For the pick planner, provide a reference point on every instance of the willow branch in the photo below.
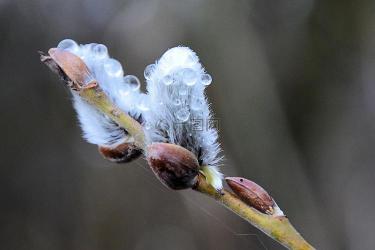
(74, 72)
(277, 227)
(98, 99)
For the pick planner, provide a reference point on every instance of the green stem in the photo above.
(98, 99)
(277, 227)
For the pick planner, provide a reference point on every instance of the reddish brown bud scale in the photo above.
(122, 153)
(54, 67)
(174, 166)
(252, 194)
(73, 66)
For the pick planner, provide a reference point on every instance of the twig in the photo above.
(98, 99)
(275, 226)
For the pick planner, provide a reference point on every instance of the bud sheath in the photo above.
(175, 166)
(252, 194)
(122, 153)
(73, 66)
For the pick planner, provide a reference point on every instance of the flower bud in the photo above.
(69, 67)
(122, 153)
(175, 166)
(53, 66)
(252, 194)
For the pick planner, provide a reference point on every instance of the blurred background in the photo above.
(293, 91)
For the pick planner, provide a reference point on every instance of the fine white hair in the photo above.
(174, 110)
(97, 129)
(178, 111)
(122, 91)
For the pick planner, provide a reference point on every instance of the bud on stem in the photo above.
(122, 153)
(174, 166)
(76, 74)
(253, 195)
(69, 67)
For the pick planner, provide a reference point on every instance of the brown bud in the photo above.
(73, 66)
(54, 67)
(122, 153)
(252, 194)
(69, 67)
(175, 166)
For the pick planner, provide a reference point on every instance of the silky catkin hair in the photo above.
(174, 110)
(122, 91)
(178, 109)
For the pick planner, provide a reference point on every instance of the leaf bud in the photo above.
(174, 166)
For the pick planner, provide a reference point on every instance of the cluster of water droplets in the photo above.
(107, 71)
(178, 79)
(187, 76)
(176, 88)
(182, 84)
(100, 51)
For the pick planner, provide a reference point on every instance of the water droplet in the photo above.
(189, 77)
(100, 50)
(69, 45)
(167, 80)
(177, 102)
(183, 114)
(113, 68)
(177, 77)
(206, 79)
(133, 82)
(148, 71)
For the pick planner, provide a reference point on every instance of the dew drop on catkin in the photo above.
(206, 79)
(183, 114)
(189, 77)
(113, 68)
(133, 82)
(149, 70)
(100, 51)
(69, 45)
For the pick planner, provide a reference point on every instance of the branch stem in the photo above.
(277, 227)
(98, 99)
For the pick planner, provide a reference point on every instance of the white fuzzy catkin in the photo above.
(97, 129)
(122, 91)
(177, 110)
(174, 110)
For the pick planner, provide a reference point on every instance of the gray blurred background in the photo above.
(293, 90)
